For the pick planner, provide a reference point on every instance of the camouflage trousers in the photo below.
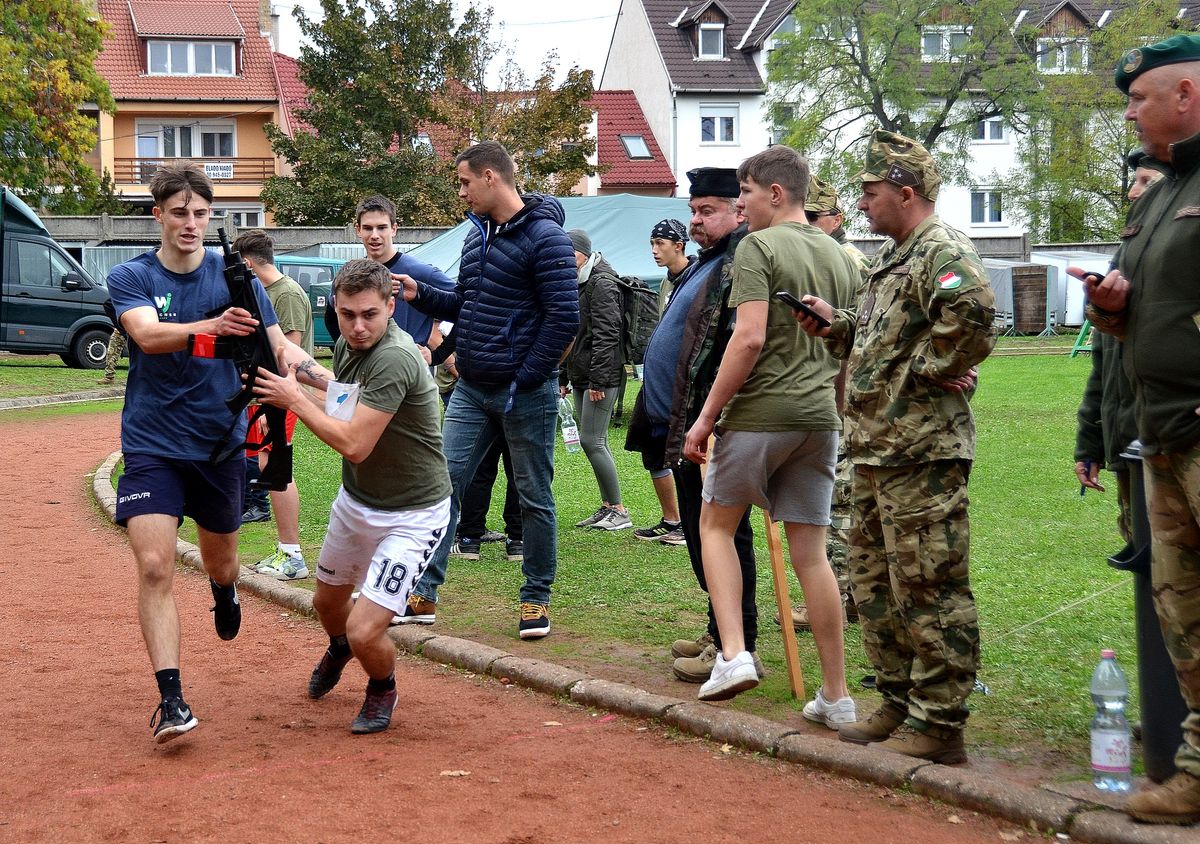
(116, 348)
(1173, 499)
(909, 550)
(837, 540)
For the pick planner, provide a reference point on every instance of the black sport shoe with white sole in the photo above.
(227, 610)
(172, 719)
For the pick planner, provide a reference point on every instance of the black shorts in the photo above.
(210, 493)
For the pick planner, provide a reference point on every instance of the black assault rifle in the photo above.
(248, 353)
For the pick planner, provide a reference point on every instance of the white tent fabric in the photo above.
(619, 227)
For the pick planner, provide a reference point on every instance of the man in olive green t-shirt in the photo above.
(773, 408)
(296, 322)
(381, 413)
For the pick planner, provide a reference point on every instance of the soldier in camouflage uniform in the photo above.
(1150, 301)
(116, 348)
(923, 323)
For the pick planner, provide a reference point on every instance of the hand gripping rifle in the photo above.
(248, 353)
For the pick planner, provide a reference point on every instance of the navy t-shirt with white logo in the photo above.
(175, 403)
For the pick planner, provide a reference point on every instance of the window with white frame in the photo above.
(186, 140)
(718, 124)
(636, 146)
(190, 58)
(712, 41)
(1062, 55)
(987, 207)
(942, 43)
(244, 216)
(989, 131)
(422, 141)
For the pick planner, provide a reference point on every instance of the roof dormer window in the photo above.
(712, 41)
(190, 58)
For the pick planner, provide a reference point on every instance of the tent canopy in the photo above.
(618, 225)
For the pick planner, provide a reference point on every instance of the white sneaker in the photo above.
(293, 568)
(730, 677)
(270, 565)
(832, 714)
(613, 520)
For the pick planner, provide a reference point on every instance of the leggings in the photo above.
(593, 418)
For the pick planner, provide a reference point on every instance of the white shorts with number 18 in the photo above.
(384, 552)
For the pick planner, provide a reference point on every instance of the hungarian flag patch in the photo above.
(949, 281)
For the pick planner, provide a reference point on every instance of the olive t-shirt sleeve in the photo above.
(387, 379)
(752, 269)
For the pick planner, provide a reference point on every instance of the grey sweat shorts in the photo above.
(789, 473)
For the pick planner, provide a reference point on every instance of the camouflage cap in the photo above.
(822, 198)
(901, 161)
(1174, 50)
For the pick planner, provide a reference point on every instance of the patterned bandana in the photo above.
(670, 230)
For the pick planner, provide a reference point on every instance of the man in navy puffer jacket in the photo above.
(515, 311)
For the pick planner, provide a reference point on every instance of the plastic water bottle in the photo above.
(570, 431)
(1110, 730)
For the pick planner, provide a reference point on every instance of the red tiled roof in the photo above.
(617, 114)
(190, 19)
(293, 93)
(122, 60)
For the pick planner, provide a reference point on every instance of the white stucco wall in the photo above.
(751, 134)
(634, 64)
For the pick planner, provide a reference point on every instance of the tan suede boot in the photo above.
(910, 742)
(1176, 801)
(882, 723)
(687, 648)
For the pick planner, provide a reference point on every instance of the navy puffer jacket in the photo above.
(516, 305)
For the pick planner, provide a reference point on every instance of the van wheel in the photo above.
(90, 348)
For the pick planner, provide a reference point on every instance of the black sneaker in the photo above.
(227, 611)
(656, 532)
(515, 549)
(535, 621)
(254, 513)
(466, 549)
(327, 673)
(376, 713)
(172, 719)
(492, 536)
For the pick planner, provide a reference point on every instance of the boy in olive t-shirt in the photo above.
(778, 426)
(381, 414)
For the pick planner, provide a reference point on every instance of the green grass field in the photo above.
(1047, 600)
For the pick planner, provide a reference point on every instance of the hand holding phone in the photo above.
(796, 305)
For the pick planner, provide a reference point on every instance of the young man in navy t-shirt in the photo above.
(174, 415)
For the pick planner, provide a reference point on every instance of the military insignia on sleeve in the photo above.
(949, 281)
(1133, 60)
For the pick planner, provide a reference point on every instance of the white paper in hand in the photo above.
(341, 399)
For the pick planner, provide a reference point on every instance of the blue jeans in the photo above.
(474, 418)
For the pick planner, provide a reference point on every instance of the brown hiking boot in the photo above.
(921, 745)
(800, 622)
(1176, 801)
(699, 668)
(686, 648)
(851, 612)
(882, 723)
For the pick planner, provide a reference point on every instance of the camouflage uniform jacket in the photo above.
(705, 336)
(1160, 249)
(925, 314)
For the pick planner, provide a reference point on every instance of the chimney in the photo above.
(275, 31)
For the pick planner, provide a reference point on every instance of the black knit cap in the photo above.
(714, 181)
(669, 230)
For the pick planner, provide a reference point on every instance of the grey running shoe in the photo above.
(613, 520)
(600, 513)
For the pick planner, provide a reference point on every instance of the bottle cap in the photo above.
(1108, 653)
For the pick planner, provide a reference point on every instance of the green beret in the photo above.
(901, 161)
(822, 198)
(1176, 49)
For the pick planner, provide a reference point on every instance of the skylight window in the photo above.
(636, 146)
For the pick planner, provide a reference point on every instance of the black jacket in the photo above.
(595, 361)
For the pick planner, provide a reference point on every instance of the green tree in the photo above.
(373, 70)
(47, 54)
(1072, 178)
(853, 66)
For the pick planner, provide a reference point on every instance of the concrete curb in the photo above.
(64, 398)
(1031, 807)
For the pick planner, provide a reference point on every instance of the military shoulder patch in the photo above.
(950, 281)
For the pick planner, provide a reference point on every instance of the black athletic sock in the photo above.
(339, 646)
(375, 687)
(168, 683)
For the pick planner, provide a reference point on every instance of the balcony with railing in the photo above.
(230, 170)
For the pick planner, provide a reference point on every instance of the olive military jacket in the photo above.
(925, 315)
(1160, 250)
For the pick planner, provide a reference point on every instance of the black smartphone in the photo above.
(798, 306)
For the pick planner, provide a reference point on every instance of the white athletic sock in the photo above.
(290, 550)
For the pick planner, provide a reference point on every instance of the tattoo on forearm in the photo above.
(309, 368)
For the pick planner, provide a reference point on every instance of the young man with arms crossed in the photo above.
(294, 313)
(394, 504)
(174, 415)
(774, 410)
